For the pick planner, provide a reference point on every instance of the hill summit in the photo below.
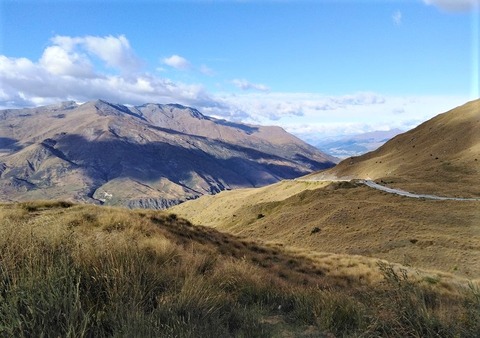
(151, 155)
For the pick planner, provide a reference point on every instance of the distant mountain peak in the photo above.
(358, 144)
(172, 110)
(64, 105)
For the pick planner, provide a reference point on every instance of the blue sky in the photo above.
(316, 68)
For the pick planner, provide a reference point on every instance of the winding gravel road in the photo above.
(377, 186)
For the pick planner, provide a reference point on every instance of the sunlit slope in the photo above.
(347, 218)
(440, 156)
(83, 270)
(221, 209)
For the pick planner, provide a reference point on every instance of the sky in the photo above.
(319, 69)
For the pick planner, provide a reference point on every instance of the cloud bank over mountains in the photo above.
(83, 68)
(92, 67)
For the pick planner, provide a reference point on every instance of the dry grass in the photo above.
(85, 271)
(356, 220)
(441, 156)
(205, 210)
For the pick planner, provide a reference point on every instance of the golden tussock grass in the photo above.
(85, 271)
(357, 220)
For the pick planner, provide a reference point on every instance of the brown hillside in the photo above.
(440, 156)
(150, 156)
(88, 271)
(346, 218)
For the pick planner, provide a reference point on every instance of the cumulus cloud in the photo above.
(180, 63)
(357, 99)
(455, 5)
(69, 69)
(66, 71)
(246, 85)
(60, 61)
(279, 106)
(114, 51)
(402, 113)
(312, 116)
(177, 62)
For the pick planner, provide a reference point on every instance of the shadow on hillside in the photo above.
(256, 153)
(10, 144)
(247, 129)
(232, 165)
(298, 270)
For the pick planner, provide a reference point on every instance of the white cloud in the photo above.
(60, 61)
(181, 63)
(397, 112)
(67, 71)
(177, 62)
(114, 51)
(397, 18)
(313, 116)
(246, 85)
(455, 5)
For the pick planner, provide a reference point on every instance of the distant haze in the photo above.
(354, 145)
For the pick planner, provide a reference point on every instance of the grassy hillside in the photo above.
(85, 271)
(221, 210)
(440, 156)
(347, 218)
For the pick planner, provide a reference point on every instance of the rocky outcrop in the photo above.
(153, 203)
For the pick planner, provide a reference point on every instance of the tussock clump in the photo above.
(342, 185)
(42, 205)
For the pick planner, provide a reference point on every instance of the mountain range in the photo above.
(355, 145)
(150, 155)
